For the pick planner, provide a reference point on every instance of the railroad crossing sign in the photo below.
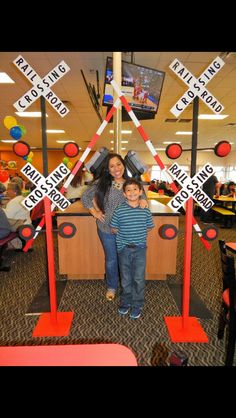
(45, 186)
(191, 187)
(41, 86)
(197, 86)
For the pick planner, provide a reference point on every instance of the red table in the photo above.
(68, 355)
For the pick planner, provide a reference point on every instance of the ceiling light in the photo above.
(29, 114)
(160, 149)
(183, 133)
(123, 131)
(64, 141)
(171, 142)
(124, 142)
(5, 79)
(55, 131)
(8, 140)
(215, 117)
(123, 148)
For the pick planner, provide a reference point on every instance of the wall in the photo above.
(55, 157)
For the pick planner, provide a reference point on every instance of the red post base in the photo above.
(47, 326)
(190, 332)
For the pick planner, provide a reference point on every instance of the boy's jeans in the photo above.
(132, 263)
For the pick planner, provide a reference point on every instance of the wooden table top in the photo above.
(231, 246)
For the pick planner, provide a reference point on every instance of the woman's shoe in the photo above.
(110, 295)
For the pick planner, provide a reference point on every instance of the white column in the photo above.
(117, 117)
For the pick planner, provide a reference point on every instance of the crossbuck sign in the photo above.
(45, 186)
(191, 187)
(41, 86)
(197, 86)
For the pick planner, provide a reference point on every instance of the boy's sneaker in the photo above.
(123, 310)
(135, 313)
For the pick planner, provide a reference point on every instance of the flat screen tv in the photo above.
(141, 87)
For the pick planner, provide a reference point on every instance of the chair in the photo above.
(228, 307)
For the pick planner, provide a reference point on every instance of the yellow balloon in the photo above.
(9, 122)
(31, 154)
(69, 165)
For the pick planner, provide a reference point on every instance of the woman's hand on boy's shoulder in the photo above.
(143, 203)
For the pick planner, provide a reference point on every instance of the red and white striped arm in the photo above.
(154, 153)
(76, 168)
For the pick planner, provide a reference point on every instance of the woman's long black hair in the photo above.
(105, 180)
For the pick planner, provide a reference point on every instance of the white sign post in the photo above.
(45, 186)
(191, 187)
(41, 86)
(197, 86)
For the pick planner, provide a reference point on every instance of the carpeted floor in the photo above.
(97, 321)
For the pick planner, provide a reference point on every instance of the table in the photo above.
(231, 246)
(68, 355)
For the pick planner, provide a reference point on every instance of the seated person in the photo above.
(79, 184)
(2, 191)
(162, 186)
(5, 227)
(152, 186)
(14, 210)
(232, 189)
(224, 190)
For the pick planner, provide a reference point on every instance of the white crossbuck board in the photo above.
(196, 86)
(41, 86)
(45, 186)
(191, 187)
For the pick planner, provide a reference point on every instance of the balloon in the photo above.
(29, 160)
(65, 161)
(9, 122)
(12, 165)
(23, 130)
(31, 154)
(4, 176)
(3, 164)
(15, 132)
(25, 158)
(69, 165)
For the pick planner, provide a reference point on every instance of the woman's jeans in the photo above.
(111, 259)
(132, 263)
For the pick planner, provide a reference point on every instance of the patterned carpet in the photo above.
(97, 321)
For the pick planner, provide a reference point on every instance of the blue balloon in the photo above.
(16, 132)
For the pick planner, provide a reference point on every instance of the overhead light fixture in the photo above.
(5, 79)
(55, 131)
(123, 131)
(64, 141)
(9, 140)
(122, 149)
(171, 142)
(124, 142)
(183, 133)
(29, 114)
(160, 149)
(212, 117)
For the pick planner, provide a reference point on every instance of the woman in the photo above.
(101, 199)
(79, 184)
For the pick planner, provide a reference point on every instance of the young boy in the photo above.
(131, 224)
